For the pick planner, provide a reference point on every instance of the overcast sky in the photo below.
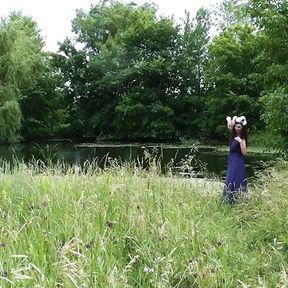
(54, 16)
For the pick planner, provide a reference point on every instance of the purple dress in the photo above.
(236, 181)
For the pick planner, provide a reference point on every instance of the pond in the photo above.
(198, 162)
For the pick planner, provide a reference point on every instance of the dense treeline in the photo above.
(131, 75)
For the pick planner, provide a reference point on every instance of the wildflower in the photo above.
(148, 270)
(159, 259)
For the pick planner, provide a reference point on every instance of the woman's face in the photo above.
(238, 128)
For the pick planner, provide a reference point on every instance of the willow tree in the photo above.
(20, 61)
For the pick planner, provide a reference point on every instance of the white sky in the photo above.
(54, 16)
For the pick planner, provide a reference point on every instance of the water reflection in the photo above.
(179, 159)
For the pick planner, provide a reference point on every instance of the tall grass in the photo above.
(130, 227)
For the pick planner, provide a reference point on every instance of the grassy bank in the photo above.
(130, 228)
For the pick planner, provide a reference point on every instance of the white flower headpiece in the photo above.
(241, 119)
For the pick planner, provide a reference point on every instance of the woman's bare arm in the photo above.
(243, 146)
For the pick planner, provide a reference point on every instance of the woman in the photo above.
(236, 182)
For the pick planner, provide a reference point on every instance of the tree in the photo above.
(276, 117)
(190, 87)
(271, 17)
(234, 79)
(126, 62)
(20, 61)
(230, 12)
(43, 105)
(144, 110)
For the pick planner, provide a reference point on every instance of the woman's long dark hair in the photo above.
(243, 134)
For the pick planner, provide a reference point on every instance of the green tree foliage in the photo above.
(272, 20)
(233, 76)
(144, 110)
(133, 75)
(276, 117)
(120, 79)
(230, 12)
(43, 106)
(20, 59)
(189, 98)
(136, 76)
(74, 70)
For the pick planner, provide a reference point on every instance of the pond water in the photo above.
(185, 160)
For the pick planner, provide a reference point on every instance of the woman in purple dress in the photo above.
(236, 181)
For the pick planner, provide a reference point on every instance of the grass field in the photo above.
(126, 227)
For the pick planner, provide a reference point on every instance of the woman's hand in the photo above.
(229, 123)
(238, 139)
